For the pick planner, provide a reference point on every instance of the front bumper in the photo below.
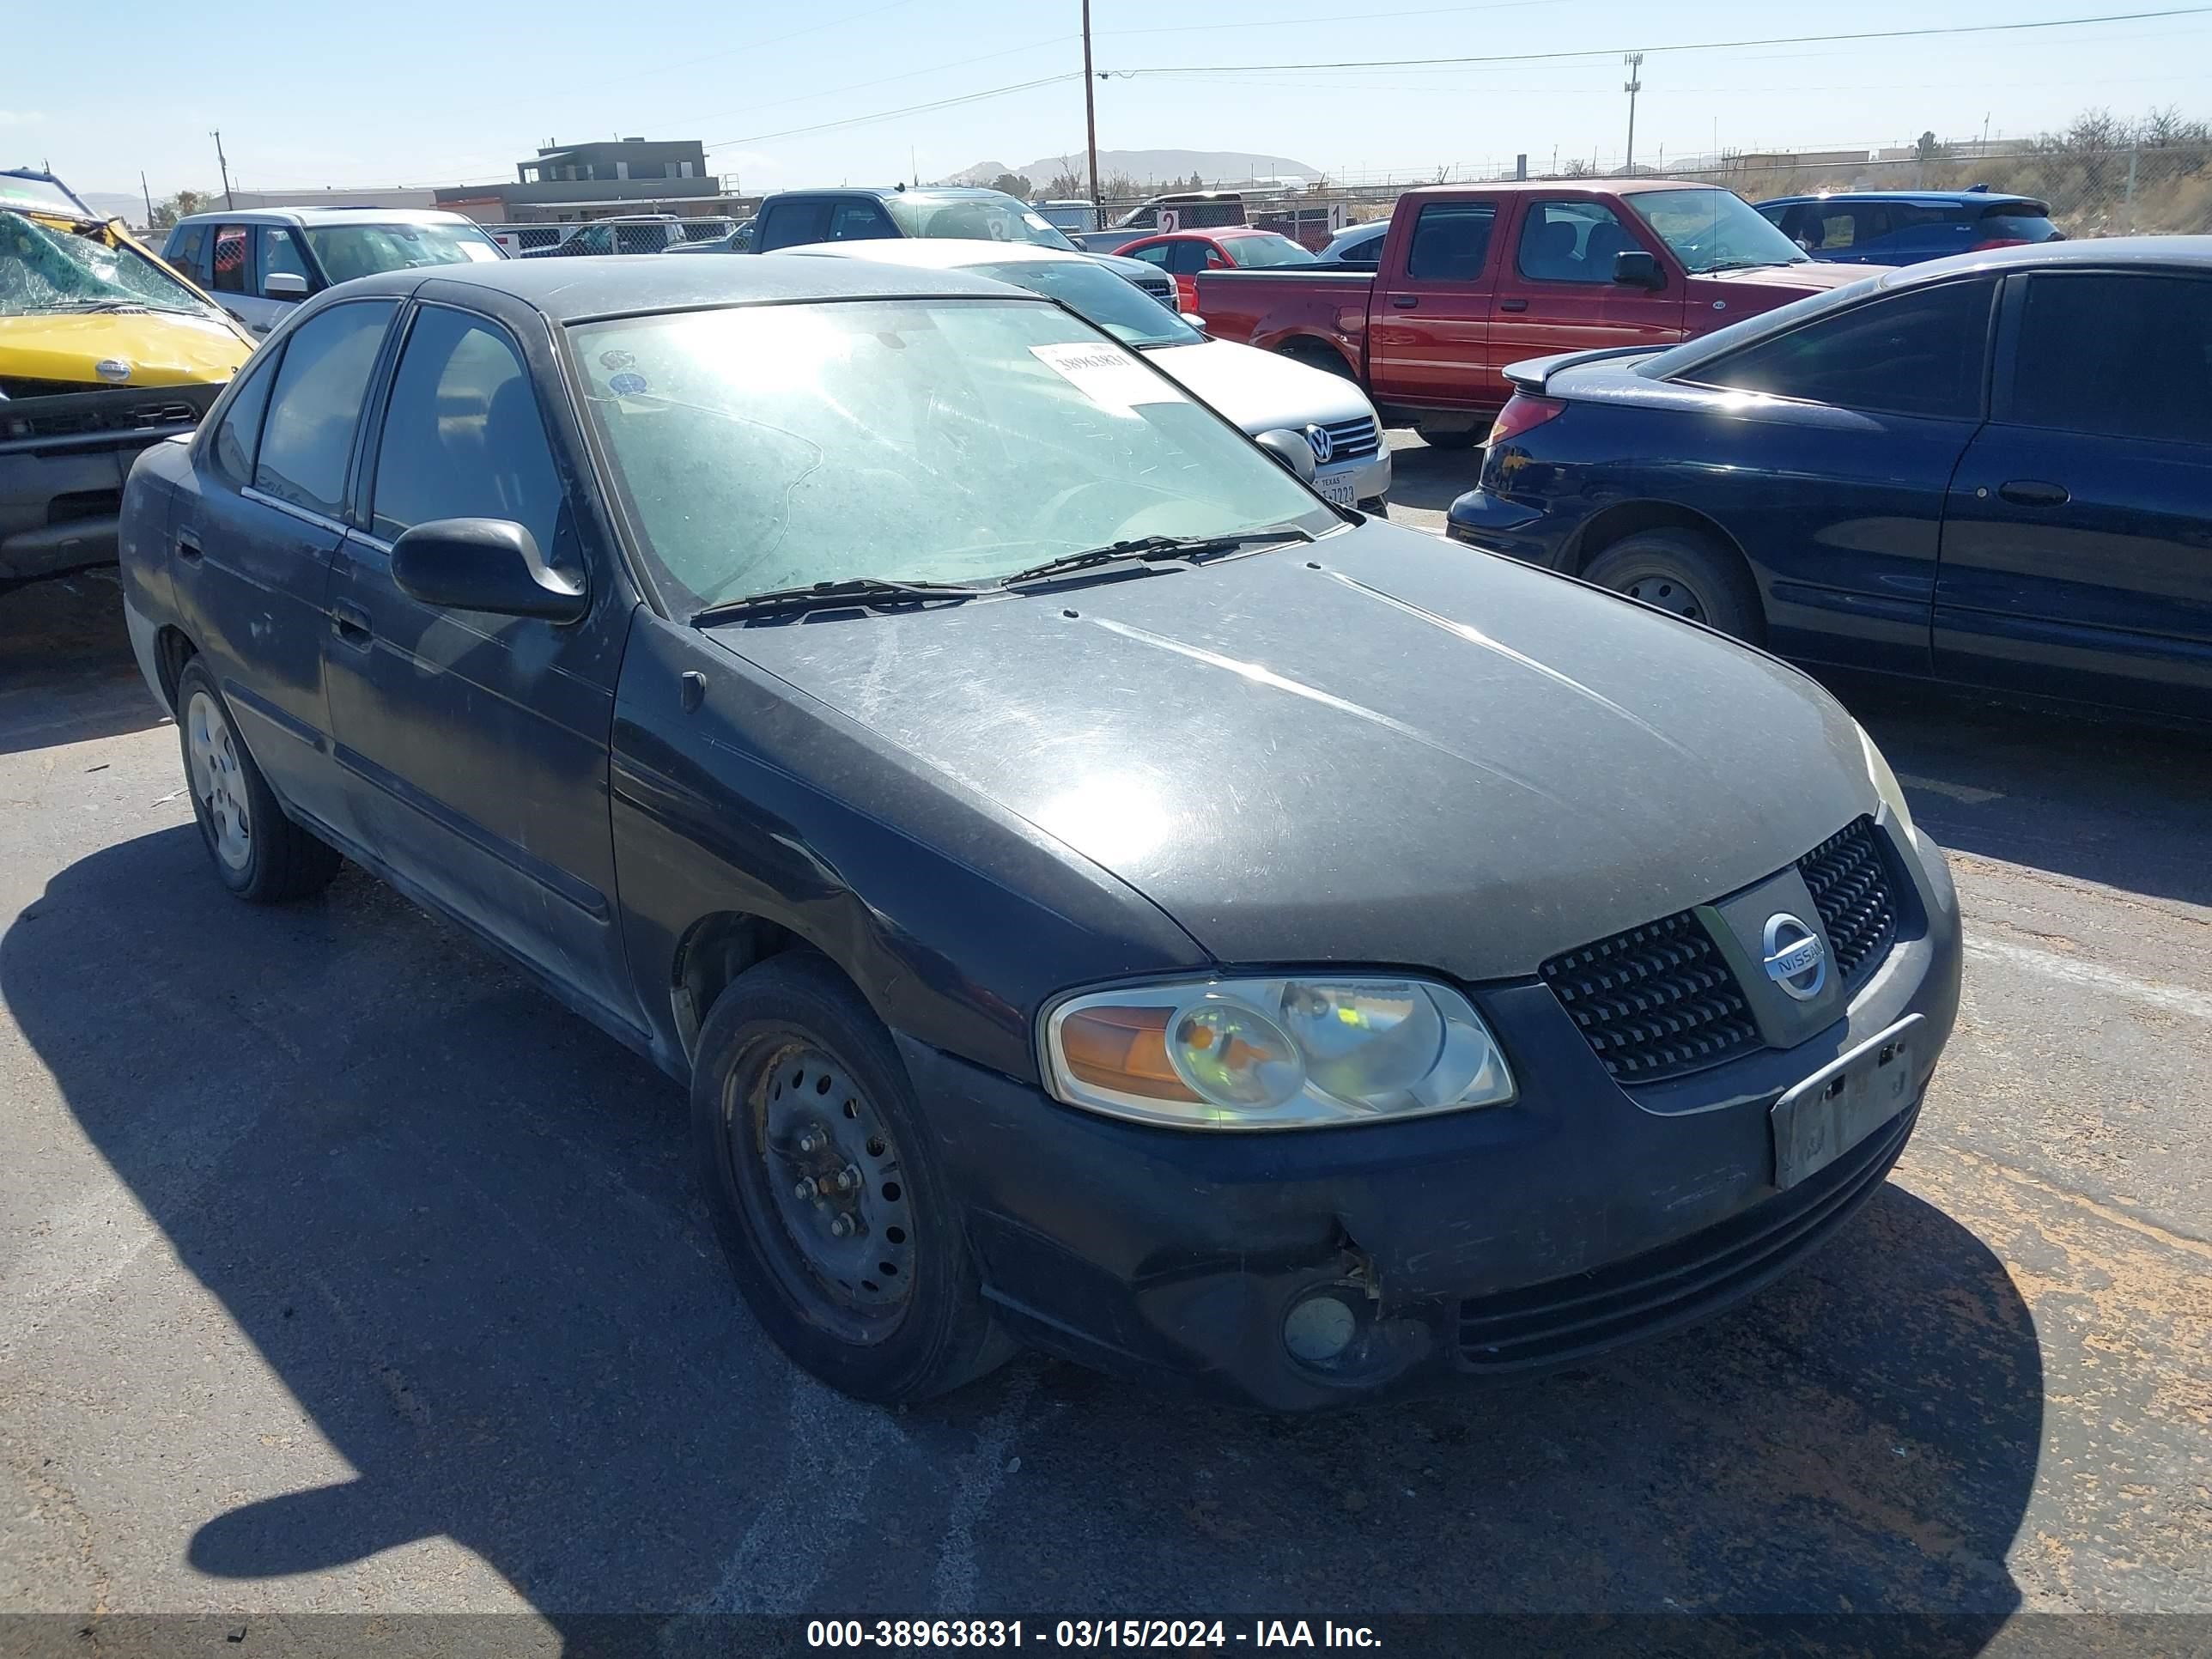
(61, 488)
(1493, 1242)
(1370, 475)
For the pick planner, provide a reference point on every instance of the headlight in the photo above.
(1886, 785)
(1273, 1054)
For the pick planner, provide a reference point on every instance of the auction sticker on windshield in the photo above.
(1111, 379)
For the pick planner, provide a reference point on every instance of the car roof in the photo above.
(2174, 252)
(886, 192)
(1914, 197)
(331, 216)
(611, 285)
(1523, 186)
(947, 252)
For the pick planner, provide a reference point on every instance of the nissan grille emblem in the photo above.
(1794, 958)
(1324, 445)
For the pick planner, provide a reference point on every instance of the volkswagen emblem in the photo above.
(1322, 445)
(1794, 958)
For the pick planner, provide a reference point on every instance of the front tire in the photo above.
(259, 853)
(821, 1176)
(1686, 573)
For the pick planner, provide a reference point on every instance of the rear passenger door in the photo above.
(2077, 554)
(252, 552)
(1428, 329)
(475, 747)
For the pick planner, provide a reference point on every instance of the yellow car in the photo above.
(103, 351)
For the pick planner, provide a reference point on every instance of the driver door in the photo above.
(475, 747)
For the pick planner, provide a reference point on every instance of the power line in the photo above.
(1692, 45)
(910, 109)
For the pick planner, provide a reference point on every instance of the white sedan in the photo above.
(1257, 390)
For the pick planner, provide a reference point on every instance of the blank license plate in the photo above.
(1844, 1103)
(1338, 489)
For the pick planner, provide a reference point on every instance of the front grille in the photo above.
(1655, 1001)
(1351, 440)
(1551, 1323)
(1849, 879)
(1161, 288)
(97, 409)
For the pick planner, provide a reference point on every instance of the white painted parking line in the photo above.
(1966, 793)
(2175, 999)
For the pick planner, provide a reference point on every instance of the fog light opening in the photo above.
(1320, 1328)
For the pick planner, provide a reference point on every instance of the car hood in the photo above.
(162, 349)
(1259, 389)
(1381, 749)
(1814, 276)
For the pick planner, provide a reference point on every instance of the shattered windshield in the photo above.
(43, 270)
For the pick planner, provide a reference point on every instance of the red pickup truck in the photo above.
(1475, 277)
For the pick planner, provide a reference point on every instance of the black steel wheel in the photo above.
(815, 1161)
(1686, 574)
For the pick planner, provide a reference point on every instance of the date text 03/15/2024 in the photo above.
(1166, 1633)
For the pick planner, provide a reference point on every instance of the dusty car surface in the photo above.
(1099, 894)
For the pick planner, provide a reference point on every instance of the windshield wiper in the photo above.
(828, 596)
(1155, 549)
(1752, 265)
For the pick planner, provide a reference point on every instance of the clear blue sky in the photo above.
(413, 92)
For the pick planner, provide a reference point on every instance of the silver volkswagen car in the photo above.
(1259, 390)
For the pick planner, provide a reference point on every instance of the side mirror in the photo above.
(284, 285)
(1633, 268)
(1291, 450)
(484, 564)
(1194, 319)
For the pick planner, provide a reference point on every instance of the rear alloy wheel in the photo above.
(824, 1191)
(259, 854)
(1684, 574)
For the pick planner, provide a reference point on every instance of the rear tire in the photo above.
(797, 1089)
(1685, 573)
(259, 853)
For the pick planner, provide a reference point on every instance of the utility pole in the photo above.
(225, 166)
(1090, 120)
(148, 195)
(1633, 85)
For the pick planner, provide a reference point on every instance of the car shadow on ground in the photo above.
(458, 1227)
(1427, 478)
(66, 671)
(2101, 797)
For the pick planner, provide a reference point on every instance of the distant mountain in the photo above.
(115, 204)
(1161, 169)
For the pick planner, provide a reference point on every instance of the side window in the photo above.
(1920, 352)
(2123, 356)
(315, 406)
(1570, 242)
(280, 250)
(1451, 242)
(230, 258)
(792, 224)
(1188, 259)
(860, 221)
(1155, 255)
(236, 439)
(639, 239)
(1835, 230)
(463, 438)
(188, 252)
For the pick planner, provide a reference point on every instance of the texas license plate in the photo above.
(1338, 489)
(1844, 1103)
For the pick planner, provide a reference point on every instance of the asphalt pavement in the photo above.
(342, 1272)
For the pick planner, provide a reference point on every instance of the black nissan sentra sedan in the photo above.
(1099, 894)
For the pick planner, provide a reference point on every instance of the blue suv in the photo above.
(1903, 227)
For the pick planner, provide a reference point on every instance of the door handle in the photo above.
(2033, 492)
(188, 547)
(350, 624)
(1513, 304)
(1406, 301)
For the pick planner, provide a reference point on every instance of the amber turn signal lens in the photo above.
(1122, 1048)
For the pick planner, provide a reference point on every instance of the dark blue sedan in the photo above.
(1903, 227)
(1994, 470)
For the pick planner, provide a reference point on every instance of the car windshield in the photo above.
(759, 448)
(47, 270)
(345, 251)
(1122, 309)
(1268, 250)
(1714, 230)
(973, 218)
